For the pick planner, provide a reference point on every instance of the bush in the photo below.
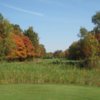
(91, 62)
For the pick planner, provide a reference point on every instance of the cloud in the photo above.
(23, 10)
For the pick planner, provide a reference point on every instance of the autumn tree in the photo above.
(90, 46)
(5, 33)
(14, 44)
(19, 50)
(29, 47)
(90, 50)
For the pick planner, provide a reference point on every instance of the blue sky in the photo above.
(56, 21)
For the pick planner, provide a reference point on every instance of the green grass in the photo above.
(45, 72)
(27, 81)
(48, 92)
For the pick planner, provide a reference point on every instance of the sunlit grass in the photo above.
(44, 72)
(48, 92)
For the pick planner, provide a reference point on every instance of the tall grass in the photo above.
(45, 71)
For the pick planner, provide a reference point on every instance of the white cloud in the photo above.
(22, 10)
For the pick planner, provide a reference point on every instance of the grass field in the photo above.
(45, 72)
(35, 81)
(48, 92)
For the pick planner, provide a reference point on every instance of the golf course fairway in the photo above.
(48, 92)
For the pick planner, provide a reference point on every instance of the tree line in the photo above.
(16, 44)
(87, 48)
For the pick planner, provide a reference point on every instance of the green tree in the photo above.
(33, 36)
(49, 55)
(96, 21)
(90, 50)
(90, 46)
(5, 28)
(16, 29)
(83, 32)
(1, 17)
(58, 54)
(75, 51)
(41, 51)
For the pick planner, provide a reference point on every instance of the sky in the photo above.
(57, 22)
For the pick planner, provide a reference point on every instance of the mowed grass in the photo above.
(46, 72)
(48, 92)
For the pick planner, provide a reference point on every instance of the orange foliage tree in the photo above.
(29, 47)
(19, 50)
(14, 44)
(22, 48)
